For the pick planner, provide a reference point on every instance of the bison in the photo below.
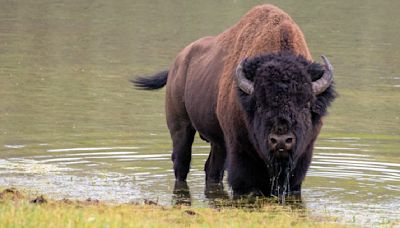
(255, 94)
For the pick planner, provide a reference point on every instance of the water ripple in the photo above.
(354, 166)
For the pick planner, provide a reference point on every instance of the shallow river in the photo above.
(71, 124)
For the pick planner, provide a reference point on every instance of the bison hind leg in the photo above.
(182, 140)
(215, 164)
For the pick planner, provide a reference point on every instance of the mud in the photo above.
(10, 194)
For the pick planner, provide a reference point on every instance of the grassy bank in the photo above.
(18, 210)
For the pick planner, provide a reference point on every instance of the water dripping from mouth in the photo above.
(286, 186)
(280, 182)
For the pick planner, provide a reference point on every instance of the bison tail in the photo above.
(156, 81)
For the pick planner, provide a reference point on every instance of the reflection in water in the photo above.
(181, 194)
(217, 197)
(215, 192)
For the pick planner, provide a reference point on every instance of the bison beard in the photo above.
(261, 115)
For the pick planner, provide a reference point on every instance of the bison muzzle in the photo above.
(255, 94)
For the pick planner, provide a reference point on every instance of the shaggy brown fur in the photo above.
(264, 29)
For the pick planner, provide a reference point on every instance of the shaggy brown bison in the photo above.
(255, 94)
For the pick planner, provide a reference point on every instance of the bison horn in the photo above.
(320, 85)
(243, 83)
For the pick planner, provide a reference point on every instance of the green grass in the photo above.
(17, 210)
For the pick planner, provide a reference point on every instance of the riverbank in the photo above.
(22, 210)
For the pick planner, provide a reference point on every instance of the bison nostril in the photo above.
(273, 141)
(289, 140)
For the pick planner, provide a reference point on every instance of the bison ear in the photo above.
(248, 103)
(316, 71)
(324, 100)
(245, 86)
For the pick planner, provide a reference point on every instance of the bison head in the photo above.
(284, 97)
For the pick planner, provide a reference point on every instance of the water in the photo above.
(71, 125)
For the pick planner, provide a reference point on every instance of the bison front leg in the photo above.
(247, 176)
(215, 164)
(182, 139)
